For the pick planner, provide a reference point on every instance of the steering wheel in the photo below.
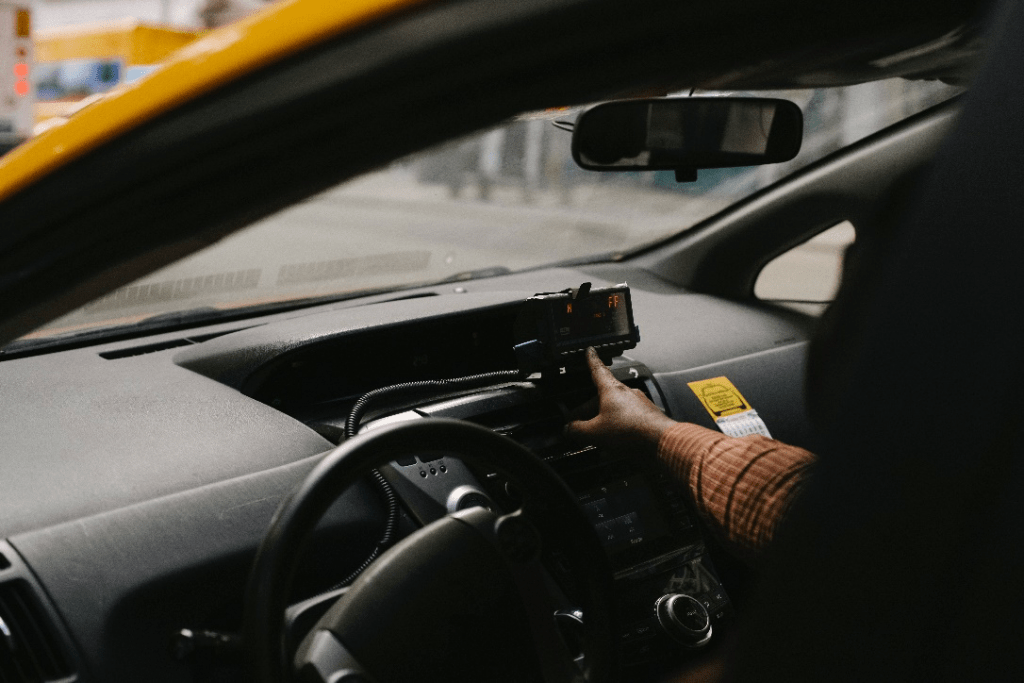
(465, 598)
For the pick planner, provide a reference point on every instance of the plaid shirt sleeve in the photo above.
(741, 486)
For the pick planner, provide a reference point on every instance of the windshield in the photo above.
(502, 200)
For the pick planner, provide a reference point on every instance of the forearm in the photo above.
(742, 487)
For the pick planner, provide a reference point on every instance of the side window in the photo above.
(807, 276)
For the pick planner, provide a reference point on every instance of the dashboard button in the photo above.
(644, 629)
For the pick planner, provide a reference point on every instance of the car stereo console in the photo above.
(669, 596)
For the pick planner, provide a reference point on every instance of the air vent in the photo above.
(159, 346)
(29, 650)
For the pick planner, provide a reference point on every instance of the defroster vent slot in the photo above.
(144, 349)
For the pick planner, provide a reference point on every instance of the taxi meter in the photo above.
(554, 328)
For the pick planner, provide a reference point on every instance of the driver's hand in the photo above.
(626, 419)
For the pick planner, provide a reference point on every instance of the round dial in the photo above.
(684, 619)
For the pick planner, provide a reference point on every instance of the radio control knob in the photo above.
(684, 619)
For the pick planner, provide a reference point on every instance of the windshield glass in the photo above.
(502, 200)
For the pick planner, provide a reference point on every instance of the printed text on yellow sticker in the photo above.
(719, 397)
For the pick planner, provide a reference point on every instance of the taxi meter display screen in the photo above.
(554, 328)
(596, 317)
(624, 514)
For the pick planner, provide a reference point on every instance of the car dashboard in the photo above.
(141, 475)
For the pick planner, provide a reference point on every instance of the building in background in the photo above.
(74, 63)
(16, 67)
(56, 13)
(187, 14)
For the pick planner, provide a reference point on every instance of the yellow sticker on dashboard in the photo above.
(719, 397)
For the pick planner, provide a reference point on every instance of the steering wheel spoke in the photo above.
(326, 660)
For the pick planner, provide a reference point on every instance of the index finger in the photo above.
(603, 377)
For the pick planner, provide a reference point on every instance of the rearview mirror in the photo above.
(687, 133)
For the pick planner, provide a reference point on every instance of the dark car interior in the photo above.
(141, 473)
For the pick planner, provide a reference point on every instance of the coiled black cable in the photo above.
(355, 416)
(391, 501)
